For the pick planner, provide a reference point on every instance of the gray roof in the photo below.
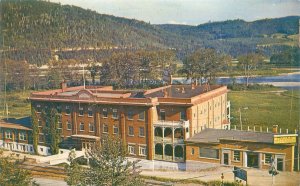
(215, 135)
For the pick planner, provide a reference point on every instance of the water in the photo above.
(286, 81)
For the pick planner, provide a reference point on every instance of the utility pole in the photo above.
(298, 145)
(241, 124)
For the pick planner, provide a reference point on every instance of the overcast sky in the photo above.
(190, 11)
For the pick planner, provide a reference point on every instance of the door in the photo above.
(280, 164)
(226, 158)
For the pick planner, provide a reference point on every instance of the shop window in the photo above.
(131, 149)
(142, 115)
(91, 127)
(268, 158)
(209, 153)
(104, 112)
(236, 155)
(130, 115)
(142, 151)
(105, 128)
(130, 131)
(115, 114)
(141, 131)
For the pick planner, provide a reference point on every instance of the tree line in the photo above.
(126, 69)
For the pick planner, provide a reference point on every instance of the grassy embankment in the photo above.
(265, 108)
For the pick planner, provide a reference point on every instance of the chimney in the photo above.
(275, 129)
(63, 86)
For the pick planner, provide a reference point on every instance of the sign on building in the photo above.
(283, 139)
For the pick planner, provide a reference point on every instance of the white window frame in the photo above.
(22, 135)
(131, 149)
(8, 134)
(142, 148)
(80, 109)
(140, 132)
(130, 111)
(93, 127)
(105, 126)
(81, 124)
(115, 114)
(67, 108)
(129, 131)
(104, 110)
(69, 124)
(115, 127)
(142, 119)
(234, 155)
(90, 110)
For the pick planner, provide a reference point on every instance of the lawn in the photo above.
(18, 105)
(265, 109)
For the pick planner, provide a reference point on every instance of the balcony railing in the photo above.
(172, 123)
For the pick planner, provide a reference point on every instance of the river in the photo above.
(286, 81)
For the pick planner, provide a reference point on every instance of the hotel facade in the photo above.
(153, 123)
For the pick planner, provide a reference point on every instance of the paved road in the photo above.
(50, 182)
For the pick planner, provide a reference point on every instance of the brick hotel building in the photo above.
(153, 123)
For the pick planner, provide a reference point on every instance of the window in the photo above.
(116, 129)
(58, 108)
(105, 128)
(59, 122)
(268, 158)
(80, 111)
(162, 114)
(141, 132)
(41, 138)
(115, 114)
(38, 108)
(192, 151)
(69, 126)
(8, 134)
(91, 127)
(42, 149)
(81, 126)
(182, 115)
(40, 122)
(209, 153)
(236, 155)
(68, 110)
(105, 113)
(142, 115)
(142, 151)
(130, 131)
(90, 112)
(130, 115)
(131, 149)
(22, 136)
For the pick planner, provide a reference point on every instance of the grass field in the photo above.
(265, 109)
(18, 105)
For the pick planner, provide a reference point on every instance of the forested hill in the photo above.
(238, 28)
(41, 24)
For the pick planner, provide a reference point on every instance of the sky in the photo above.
(191, 12)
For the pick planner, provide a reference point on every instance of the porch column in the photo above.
(173, 156)
(245, 159)
(189, 117)
(260, 159)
